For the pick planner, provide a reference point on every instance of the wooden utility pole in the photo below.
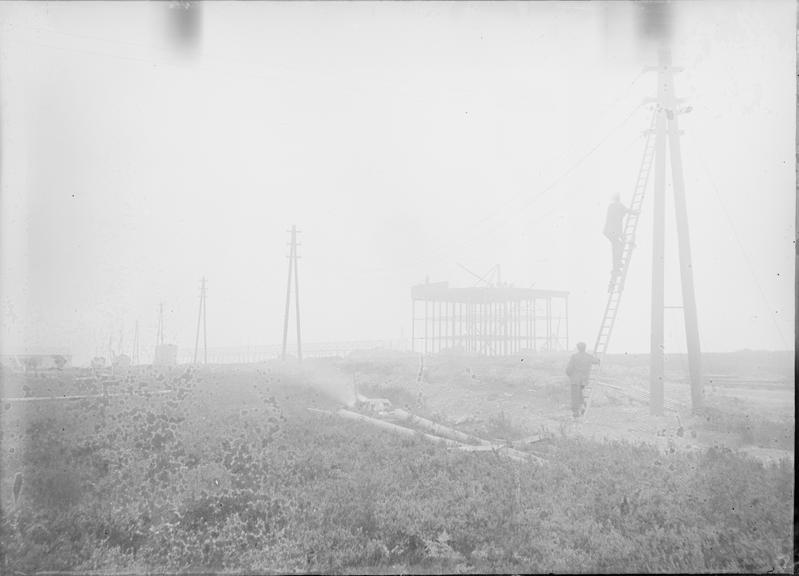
(656, 349)
(293, 258)
(668, 129)
(201, 317)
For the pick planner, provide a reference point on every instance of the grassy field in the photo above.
(229, 471)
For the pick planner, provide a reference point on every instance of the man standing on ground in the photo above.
(578, 370)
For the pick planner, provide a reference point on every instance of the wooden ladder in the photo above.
(616, 287)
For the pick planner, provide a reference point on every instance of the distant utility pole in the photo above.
(160, 336)
(293, 257)
(668, 131)
(201, 316)
(135, 351)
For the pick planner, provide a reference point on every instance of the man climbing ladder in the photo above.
(620, 228)
(614, 231)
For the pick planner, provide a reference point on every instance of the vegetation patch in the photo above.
(235, 477)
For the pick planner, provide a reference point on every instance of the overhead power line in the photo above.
(745, 253)
(525, 204)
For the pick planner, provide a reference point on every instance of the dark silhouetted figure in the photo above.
(614, 231)
(578, 370)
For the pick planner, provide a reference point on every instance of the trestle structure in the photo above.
(488, 320)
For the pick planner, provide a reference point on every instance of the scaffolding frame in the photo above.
(489, 320)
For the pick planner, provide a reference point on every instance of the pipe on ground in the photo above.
(392, 427)
(501, 450)
(436, 428)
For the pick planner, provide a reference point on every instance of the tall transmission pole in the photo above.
(656, 344)
(293, 258)
(667, 130)
(201, 317)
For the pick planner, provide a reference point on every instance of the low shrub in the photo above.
(205, 483)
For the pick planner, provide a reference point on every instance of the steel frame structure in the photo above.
(489, 320)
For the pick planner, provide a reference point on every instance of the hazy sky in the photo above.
(401, 138)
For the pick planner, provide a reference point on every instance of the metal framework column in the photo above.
(484, 315)
(426, 304)
(469, 328)
(460, 325)
(489, 334)
(509, 327)
(530, 324)
(433, 327)
(465, 326)
(453, 306)
(501, 328)
(440, 326)
(413, 324)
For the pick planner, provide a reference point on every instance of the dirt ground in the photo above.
(748, 399)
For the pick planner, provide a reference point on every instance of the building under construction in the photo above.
(488, 320)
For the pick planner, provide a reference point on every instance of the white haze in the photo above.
(401, 138)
